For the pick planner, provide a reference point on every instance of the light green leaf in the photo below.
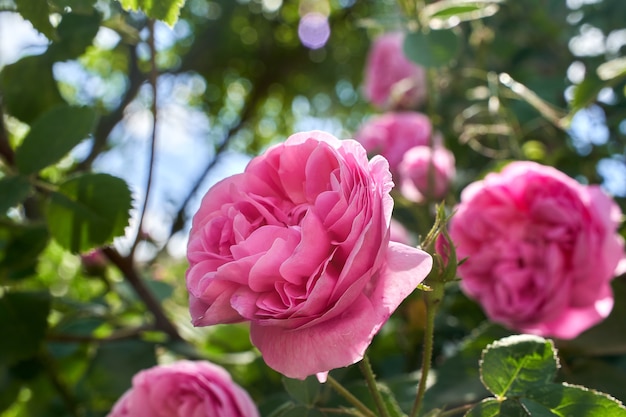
(571, 401)
(88, 211)
(305, 392)
(165, 10)
(23, 98)
(449, 13)
(612, 69)
(52, 136)
(14, 190)
(38, 13)
(436, 48)
(513, 365)
(23, 323)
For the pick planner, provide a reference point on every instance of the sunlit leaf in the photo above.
(88, 211)
(165, 10)
(612, 69)
(52, 136)
(449, 13)
(513, 365)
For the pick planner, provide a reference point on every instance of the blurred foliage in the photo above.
(507, 80)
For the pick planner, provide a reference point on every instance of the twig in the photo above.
(153, 83)
(370, 379)
(125, 265)
(454, 411)
(350, 397)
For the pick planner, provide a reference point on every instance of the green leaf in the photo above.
(612, 69)
(76, 33)
(586, 92)
(302, 411)
(21, 250)
(513, 365)
(24, 98)
(38, 13)
(14, 190)
(305, 392)
(449, 13)
(436, 48)
(489, 407)
(165, 10)
(52, 136)
(571, 401)
(113, 367)
(23, 323)
(88, 211)
(9, 388)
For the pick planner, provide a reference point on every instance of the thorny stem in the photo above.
(341, 390)
(433, 300)
(153, 83)
(370, 379)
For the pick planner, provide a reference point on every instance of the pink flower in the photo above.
(398, 233)
(392, 134)
(542, 249)
(426, 173)
(391, 80)
(298, 245)
(184, 389)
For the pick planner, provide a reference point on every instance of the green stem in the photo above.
(349, 397)
(433, 299)
(370, 378)
(454, 411)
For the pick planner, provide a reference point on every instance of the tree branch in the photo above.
(125, 265)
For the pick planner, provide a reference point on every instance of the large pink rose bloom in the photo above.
(392, 134)
(391, 80)
(184, 389)
(426, 173)
(541, 249)
(298, 245)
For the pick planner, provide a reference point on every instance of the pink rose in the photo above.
(392, 134)
(298, 245)
(398, 233)
(391, 80)
(426, 173)
(542, 249)
(184, 389)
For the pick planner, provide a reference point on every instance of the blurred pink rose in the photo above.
(298, 245)
(391, 80)
(421, 165)
(398, 233)
(542, 249)
(392, 134)
(184, 389)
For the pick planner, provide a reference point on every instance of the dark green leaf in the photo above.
(113, 367)
(305, 392)
(14, 190)
(513, 365)
(436, 48)
(76, 33)
(88, 211)
(23, 323)
(586, 92)
(38, 13)
(21, 250)
(26, 99)
(572, 401)
(52, 136)
(9, 388)
(489, 407)
(165, 10)
(302, 411)
(598, 374)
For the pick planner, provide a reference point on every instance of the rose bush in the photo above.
(184, 389)
(391, 80)
(298, 245)
(393, 134)
(541, 249)
(426, 172)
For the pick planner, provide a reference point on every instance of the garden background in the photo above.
(96, 202)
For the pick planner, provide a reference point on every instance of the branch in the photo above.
(108, 122)
(153, 84)
(122, 334)
(125, 265)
